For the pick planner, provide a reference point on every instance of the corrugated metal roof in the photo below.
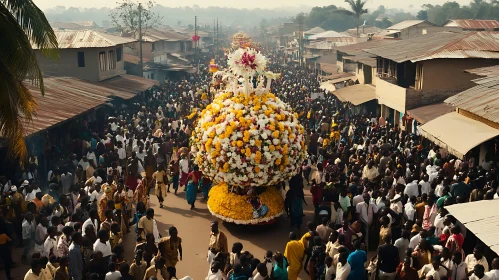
(356, 51)
(405, 24)
(155, 35)
(67, 97)
(333, 43)
(66, 26)
(427, 113)
(327, 34)
(478, 218)
(481, 100)
(356, 94)
(129, 84)
(329, 67)
(64, 99)
(315, 30)
(76, 39)
(473, 24)
(485, 71)
(442, 45)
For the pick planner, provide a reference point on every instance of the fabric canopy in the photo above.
(356, 94)
(477, 218)
(457, 133)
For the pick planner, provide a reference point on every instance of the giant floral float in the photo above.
(248, 142)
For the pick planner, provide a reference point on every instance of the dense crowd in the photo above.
(374, 187)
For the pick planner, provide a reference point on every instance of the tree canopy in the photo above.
(476, 9)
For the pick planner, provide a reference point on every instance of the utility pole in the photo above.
(216, 50)
(300, 38)
(214, 33)
(140, 41)
(196, 43)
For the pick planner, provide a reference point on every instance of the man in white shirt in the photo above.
(417, 238)
(493, 274)
(434, 269)
(102, 244)
(425, 185)
(402, 244)
(479, 273)
(409, 210)
(366, 210)
(458, 271)
(343, 267)
(50, 244)
(411, 189)
(477, 258)
(370, 172)
(92, 220)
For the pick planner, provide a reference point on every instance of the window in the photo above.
(110, 60)
(152, 46)
(119, 53)
(152, 76)
(102, 61)
(81, 59)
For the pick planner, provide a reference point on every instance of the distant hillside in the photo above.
(182, 15)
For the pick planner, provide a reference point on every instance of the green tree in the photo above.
(21, 24)
(356, 11)
(422, 15)
(126, 16)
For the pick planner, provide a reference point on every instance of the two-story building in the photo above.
(354, 84)
(476, 117)
(428, 69)
(86, 54)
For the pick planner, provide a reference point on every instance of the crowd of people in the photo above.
(374, 188)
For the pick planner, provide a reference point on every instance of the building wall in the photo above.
(134, 49)
(67, 65)
(418, 98)
(447, 74)
(390, 95)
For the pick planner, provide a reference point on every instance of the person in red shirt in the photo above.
(317, 192)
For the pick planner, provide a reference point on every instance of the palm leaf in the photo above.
(21, 23)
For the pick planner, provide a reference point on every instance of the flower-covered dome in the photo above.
(248, 140)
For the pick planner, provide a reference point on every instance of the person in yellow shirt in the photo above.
(160, 189)
(294, 252)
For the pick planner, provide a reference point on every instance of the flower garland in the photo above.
(246, 62)
(248, 141)
(234, 208)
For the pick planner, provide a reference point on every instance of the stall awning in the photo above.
(427, 113)
(479, 218)
(457, 133)
(356, 94)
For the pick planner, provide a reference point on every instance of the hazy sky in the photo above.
(45, 4)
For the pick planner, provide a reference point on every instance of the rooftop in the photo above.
(406, 24)
(333, 43)
(327, 34)
(442, 45)
(356, 51)
(67, 97)
(77, 39)
(315, 30)
(482, 99)
(473, 24)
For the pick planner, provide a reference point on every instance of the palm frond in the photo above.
(34, 23)
(18, 61)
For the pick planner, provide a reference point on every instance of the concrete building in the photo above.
(428, 69)
(86, 54)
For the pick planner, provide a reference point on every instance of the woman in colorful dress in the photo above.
(102, 206)
(120, 202)
(192, 187)
(141, 195)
